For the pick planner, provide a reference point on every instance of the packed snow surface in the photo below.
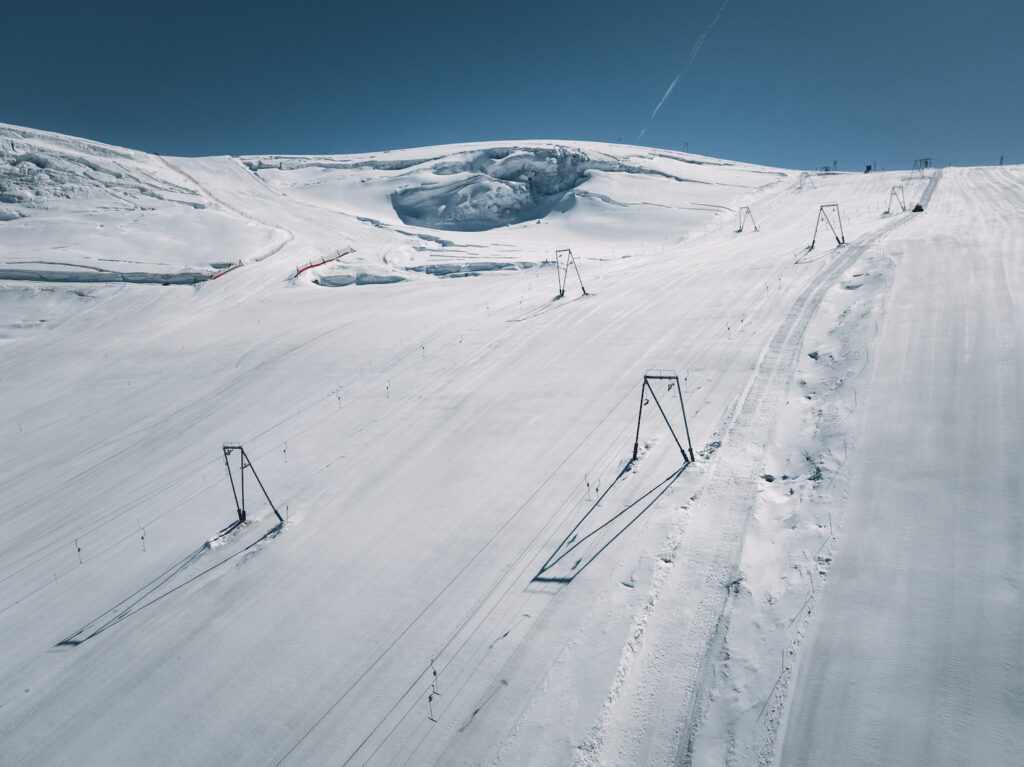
(472, 568)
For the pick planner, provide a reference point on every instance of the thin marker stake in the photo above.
(433, 684)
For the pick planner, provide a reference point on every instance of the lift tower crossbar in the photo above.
(673, 378)
(239, 491)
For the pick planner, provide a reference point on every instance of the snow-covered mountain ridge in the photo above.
(171, 223)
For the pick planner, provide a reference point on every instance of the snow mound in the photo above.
(469, 268)
(340, 277)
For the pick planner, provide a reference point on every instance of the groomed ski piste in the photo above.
(472, 569)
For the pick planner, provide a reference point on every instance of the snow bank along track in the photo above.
(662, 691)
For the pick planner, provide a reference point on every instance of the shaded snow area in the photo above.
(472, 567)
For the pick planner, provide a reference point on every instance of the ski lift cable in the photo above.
(312, 399)
(445, 588)
(518, 606)
(57, 543)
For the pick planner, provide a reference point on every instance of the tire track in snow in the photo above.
(647, 693)
(955, 323)
(784, 352)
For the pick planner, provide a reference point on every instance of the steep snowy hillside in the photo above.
(473, 567)
(76, 210)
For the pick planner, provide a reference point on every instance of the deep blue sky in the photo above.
(797, 84)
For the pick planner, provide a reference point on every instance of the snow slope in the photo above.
(76, 210)
(451, 455)
(917, 657)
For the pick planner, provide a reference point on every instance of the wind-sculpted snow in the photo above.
(496, 187)
(73, 210)
(110, 214)
(58, 272)
(510, 185)
(257, 164)
(38, 169)
(574, 188)
(472, 190)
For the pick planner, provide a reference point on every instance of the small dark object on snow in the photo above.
(867, 169)
(918, 208)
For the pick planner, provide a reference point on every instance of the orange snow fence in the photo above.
(225, 271)
(321, 262)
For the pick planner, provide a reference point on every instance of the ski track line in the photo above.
(544, 603)
(731, 485)
(718, 337)
(289, 234)
(546, 599)
(767, 739)
(785, 352)
(65, 539)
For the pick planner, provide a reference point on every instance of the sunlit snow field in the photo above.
(834, 579)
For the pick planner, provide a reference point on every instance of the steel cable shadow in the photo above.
(557, 570)
(803, 256)
(139, 600)
(551, 305)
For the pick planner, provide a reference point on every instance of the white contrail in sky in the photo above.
(693, 54)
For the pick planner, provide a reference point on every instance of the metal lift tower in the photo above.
(239, 492)
(673, 382)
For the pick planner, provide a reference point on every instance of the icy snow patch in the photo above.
(495, 187)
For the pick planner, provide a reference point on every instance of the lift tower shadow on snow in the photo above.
(563, 273)
(827, 213)
(239, 493)
(596, 531)
(171, 581)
